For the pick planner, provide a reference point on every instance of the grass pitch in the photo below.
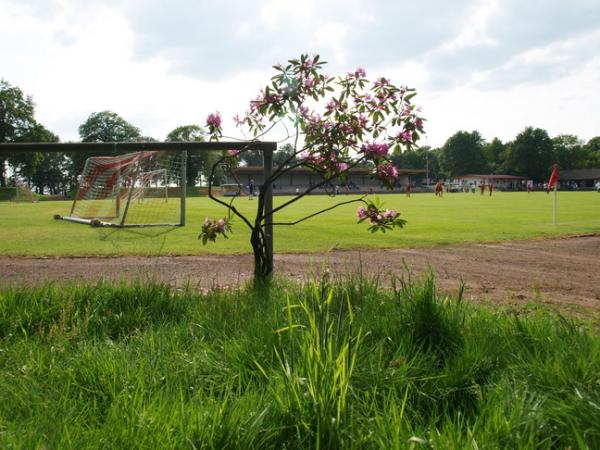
(323, 365)
(30, 230)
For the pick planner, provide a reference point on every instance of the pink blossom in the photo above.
(361, 212)
(341, 167)
(314, 119)
(361, 72)
(238, 120)
(363, 121)
(214, 119)
(387, 171)
(271, 98)
(303, 111)
(405, 136)
(381, 82)
(232, 152)
(346, 128)
(312, 158)
(390, 214)
(220, 225)
(374, 149)
(309, 82)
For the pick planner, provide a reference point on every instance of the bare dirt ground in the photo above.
(562, 273)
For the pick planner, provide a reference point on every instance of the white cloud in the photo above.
(160, 68)
(567, 105)
(474, 28)
(277, 13)
(92, 68)
(331, 37)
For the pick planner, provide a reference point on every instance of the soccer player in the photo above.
(490, 188)
(251, 190)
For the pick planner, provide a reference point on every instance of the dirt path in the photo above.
(563, 272)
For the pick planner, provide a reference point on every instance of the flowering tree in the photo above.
(335, 124)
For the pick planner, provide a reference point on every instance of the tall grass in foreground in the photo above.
(328, 364)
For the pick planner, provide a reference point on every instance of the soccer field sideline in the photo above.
(29, 230)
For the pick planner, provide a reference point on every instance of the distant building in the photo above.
(585, 178)
(502, 182)
(358, 180)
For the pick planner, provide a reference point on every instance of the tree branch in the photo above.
(312, 188)
(361, 199)
(229, 206)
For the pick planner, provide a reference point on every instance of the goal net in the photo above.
(132, 190)
(23, 194)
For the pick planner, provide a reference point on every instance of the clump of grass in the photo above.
(87, 310)
(333, 363)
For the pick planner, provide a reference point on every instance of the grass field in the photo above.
(28, 229)
(325, 365)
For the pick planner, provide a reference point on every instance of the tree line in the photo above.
(530, 154)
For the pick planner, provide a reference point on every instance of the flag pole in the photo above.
(555, 202)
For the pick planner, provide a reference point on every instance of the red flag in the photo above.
(553, 178)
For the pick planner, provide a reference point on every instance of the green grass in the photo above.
(28, 229)
(330, 364)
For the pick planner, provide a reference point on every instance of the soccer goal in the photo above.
(142, 189)
(23, 194)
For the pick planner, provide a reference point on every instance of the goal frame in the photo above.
(122, 222)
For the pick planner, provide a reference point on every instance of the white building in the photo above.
(501, 182)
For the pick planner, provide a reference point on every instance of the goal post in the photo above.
(131, 190)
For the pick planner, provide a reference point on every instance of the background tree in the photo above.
(423, 157)
(107, 126)
(16, 121)
(27, 164)
(18, 124)
(103, 126)
(197, 163)
(252, 158)
(569, 152)
(592, 150)
(51, 174)
(462, 154)
(284, 154)
(530, 155)
(494, 153)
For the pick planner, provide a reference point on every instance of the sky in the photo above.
(495, 66)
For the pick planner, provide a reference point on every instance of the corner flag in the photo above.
(553, 183)
(553, 178)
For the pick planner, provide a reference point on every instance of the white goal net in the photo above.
(135, 189)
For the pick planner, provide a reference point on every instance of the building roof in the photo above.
(356, 170)
(491, 176)
(579, 174)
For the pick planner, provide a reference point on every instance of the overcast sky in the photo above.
(491, 65)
